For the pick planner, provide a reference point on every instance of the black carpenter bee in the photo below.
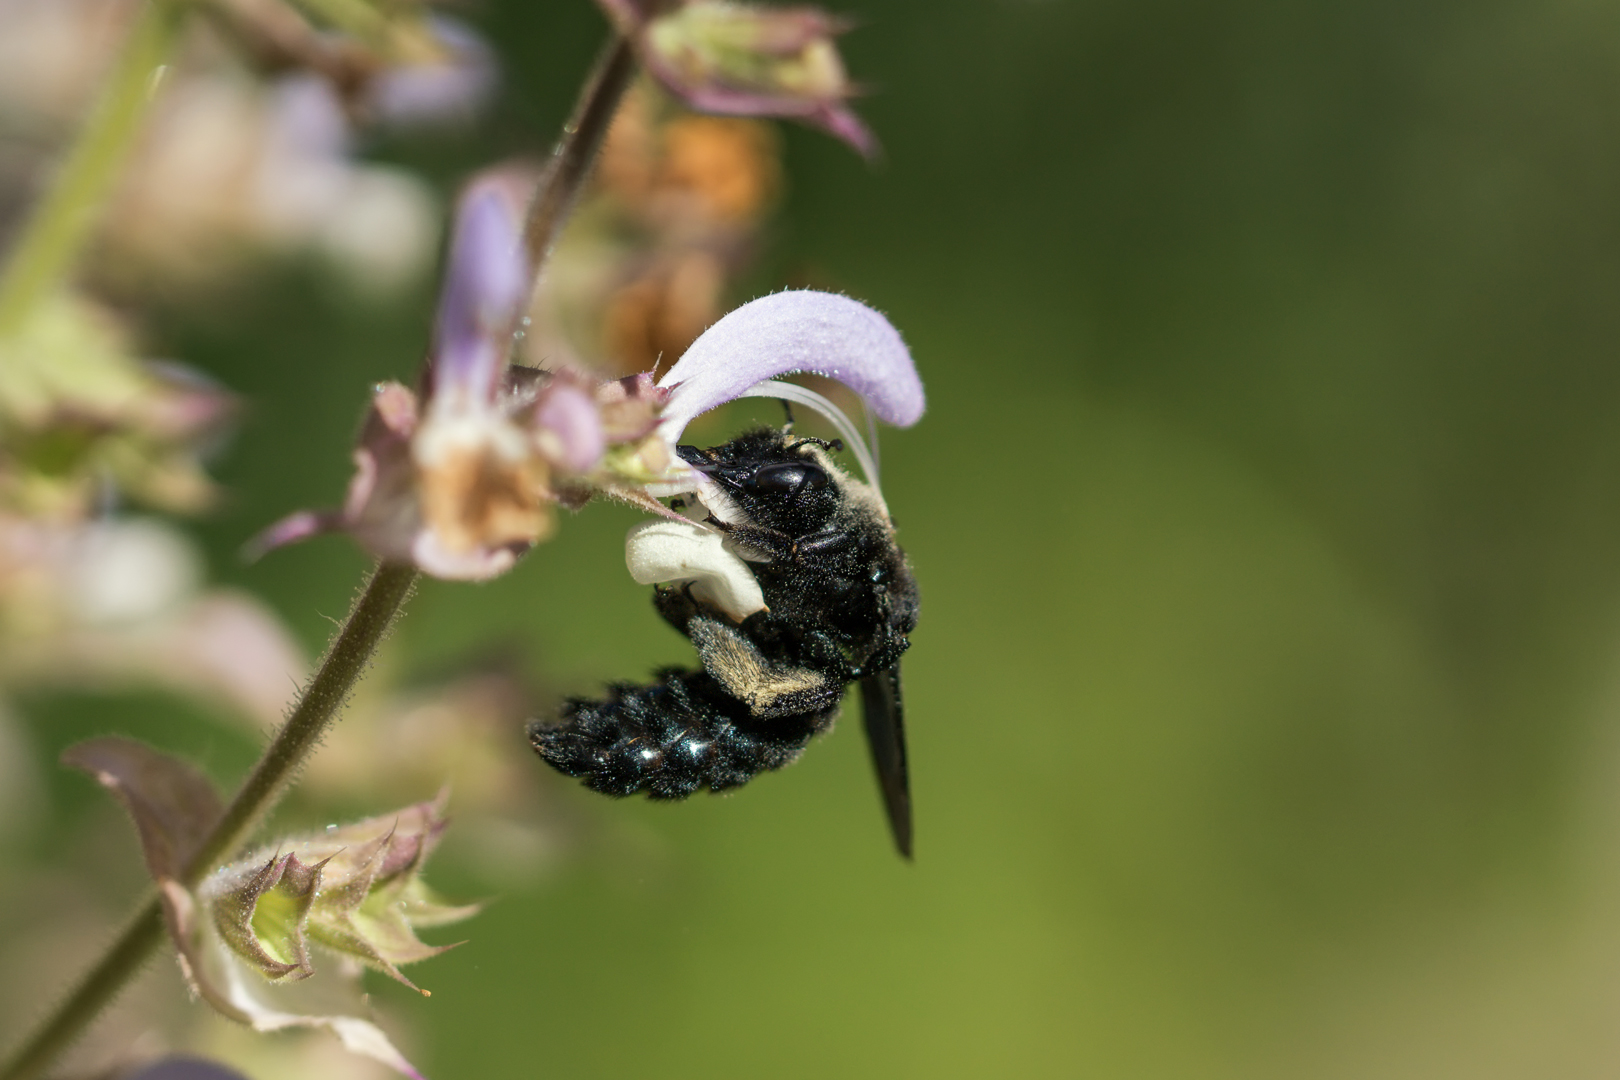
(839, 601)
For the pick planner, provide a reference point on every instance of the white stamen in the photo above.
(800, 395)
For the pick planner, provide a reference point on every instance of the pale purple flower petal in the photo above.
(795, 332)
(486, 283)
(568, 425)
(430, 555)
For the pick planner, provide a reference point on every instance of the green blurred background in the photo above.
(1265, 706)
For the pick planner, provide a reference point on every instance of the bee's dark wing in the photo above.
(885, 731)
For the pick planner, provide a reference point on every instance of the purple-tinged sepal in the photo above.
(355, 890)
(632, 412)
(261, 913)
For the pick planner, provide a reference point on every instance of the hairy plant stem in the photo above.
(390, 584)
(347, 659)
(576, 151)
(50, 241)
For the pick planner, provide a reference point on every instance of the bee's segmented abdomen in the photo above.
(670, 738)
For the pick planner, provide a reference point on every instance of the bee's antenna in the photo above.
(787, 407)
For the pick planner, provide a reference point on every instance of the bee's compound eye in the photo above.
(789, 478)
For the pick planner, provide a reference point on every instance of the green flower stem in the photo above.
(373, 613)
(95, 992)
(576, 151)
(50, 242)
(351, 651)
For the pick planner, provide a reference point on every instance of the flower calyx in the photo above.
(739, 59)
(244, 935)
(355, 890)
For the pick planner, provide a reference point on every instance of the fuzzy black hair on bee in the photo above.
(839, 601)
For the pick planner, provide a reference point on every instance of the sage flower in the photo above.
(461, 480)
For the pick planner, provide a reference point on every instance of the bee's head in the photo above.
(779, 482)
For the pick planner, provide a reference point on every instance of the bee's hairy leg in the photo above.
(771, 686)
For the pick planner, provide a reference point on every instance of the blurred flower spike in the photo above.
(462, 483)
(747, 60)
(77, 409)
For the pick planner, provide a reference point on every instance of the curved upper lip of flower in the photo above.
(797, 332)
